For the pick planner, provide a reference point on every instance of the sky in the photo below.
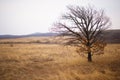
(28, 16)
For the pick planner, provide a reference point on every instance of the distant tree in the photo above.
(85, 25)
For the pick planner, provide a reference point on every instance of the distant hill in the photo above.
(29, 35)
(41, 34)
(111, 36)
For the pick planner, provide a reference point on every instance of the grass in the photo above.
(56, 62)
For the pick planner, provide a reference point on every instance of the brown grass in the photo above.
(56, 62)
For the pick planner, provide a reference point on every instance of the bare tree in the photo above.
(86, 26)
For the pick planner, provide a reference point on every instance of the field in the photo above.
(35, 61)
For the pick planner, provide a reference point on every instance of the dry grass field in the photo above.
(56, 62)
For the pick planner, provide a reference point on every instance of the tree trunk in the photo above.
(89, 57)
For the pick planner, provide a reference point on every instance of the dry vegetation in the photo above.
(56, 62)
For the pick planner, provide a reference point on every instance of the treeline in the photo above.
(31, 42)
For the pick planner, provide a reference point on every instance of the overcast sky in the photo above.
(29, 16)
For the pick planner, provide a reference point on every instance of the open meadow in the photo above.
(38, 61)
